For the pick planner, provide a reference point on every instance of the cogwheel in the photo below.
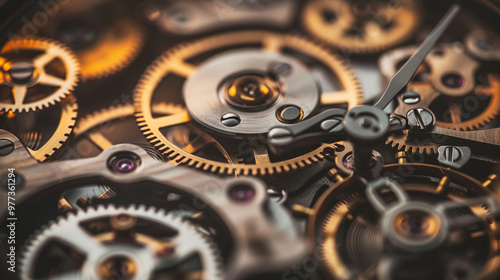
(115, 48)
(75, 249)
(36, 73)
(111, 126)
(362, 26)
(183, 61)
(404, 143)
(37, 130)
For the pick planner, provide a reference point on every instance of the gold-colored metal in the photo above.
(335, 175)
(50, 72)
(176, 61)
(490, 180)
(402, 157)
(302, 210)
(362, 26)
(116, 47)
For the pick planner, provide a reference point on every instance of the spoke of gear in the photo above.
(176, 61)
(35, 73)
(95, 249)
(362, 26)
(41, 141)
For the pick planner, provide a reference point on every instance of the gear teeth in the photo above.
(213, 266)
(63, 53)
(148, 82)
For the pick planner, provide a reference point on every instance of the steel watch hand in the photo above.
(404, 75)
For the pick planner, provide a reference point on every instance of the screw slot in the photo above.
(230, 119)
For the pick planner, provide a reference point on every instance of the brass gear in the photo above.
(47, 71)
(175, 61)
(362, 26)
(40, 146)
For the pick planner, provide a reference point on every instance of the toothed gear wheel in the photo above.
(186, 62)
(35, 74)
(43, 132)
(403, 142)
(362, 26)
(120, 243)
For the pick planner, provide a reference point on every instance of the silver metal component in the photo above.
(455, 157)
(144, 259)
(420, 119)
(215, 78)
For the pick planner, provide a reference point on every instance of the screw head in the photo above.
(410, 97)
(6, 147)
(280, 69)
(420, 119)
(230, 119)
(290, 114)
(20, 72)
(485, 44)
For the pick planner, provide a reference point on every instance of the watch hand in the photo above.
(404, 75)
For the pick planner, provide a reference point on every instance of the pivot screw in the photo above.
(485, 44)
(230, 119)
(6, 147)
(420, 119)
(281, 69)
(290, 114)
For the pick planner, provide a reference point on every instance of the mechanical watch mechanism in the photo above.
(249, 139)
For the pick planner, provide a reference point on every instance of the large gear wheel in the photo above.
(180, 64)
(121, 243)
(43, 132)
(35, 73)
(362, 26)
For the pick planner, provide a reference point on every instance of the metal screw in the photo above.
(420, 119)
(281, 69)
(331, 125)
(452, 154)
(280, 135)
(230, 119)
(6, 147)
(485, 44)
(290, 114)
(410, 97)
(124, 162)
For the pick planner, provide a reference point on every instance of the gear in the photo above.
(121, 243)
(36, 73)
(362, 26)
(102, 129)
(261, 46)
(352, 237)
(43, 132)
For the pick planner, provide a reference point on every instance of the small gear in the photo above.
(43, 132)
(35, 73)
(362, 26)
(121, 243)
(181, 61)
(405, 143)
